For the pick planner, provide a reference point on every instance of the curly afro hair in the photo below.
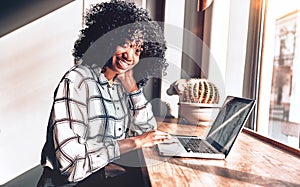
(108, 24)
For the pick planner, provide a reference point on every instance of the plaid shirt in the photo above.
(88, 116)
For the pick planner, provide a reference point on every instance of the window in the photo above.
(279, 86)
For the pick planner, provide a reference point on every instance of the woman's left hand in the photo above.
(128, 81)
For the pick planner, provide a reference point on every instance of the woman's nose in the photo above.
(128, 54)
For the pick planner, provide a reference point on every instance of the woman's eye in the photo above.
(125, 45)
(139, 50)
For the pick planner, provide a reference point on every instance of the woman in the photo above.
(99, 111)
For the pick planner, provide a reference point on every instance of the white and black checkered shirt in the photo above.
(87, 117)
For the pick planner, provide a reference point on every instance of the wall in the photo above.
(228, 39)
(32, 61)
(174, 30)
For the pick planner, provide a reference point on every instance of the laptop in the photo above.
(220, 137)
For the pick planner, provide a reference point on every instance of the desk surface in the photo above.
(251, 162)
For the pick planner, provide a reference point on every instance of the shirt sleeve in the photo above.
(78, 157)
(142, 119)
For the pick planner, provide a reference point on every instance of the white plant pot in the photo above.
(199, 113)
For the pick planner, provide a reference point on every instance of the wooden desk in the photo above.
(251, 162)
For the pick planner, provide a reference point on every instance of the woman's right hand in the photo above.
(151, 138)
(147, 139)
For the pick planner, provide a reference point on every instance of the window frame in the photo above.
(254, 56)
(253, 73)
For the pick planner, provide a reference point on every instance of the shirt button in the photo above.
(118, 108)
(119, 129)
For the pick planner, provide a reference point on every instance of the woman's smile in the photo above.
(122, 63)
(125, 57)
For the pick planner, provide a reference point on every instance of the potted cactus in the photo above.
(198, 100)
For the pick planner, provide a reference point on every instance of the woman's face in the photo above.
(126, 56)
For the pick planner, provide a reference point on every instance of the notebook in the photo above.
(220, 137)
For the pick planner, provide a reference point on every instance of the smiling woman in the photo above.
(99, 111)
(104, 35)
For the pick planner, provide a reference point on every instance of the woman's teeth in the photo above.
(123, 64)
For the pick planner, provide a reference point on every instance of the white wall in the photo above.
(32, 61)
(219, 42)
(173, 30)
(228, 44)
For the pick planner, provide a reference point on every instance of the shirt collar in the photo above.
(102, 78)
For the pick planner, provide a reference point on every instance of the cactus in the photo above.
(200, 91)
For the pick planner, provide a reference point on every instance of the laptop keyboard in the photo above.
(195, 145)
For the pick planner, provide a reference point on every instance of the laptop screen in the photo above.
(229, 122)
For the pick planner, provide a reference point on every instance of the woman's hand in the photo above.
(148, 139)
(151, 138)
(128, 81)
